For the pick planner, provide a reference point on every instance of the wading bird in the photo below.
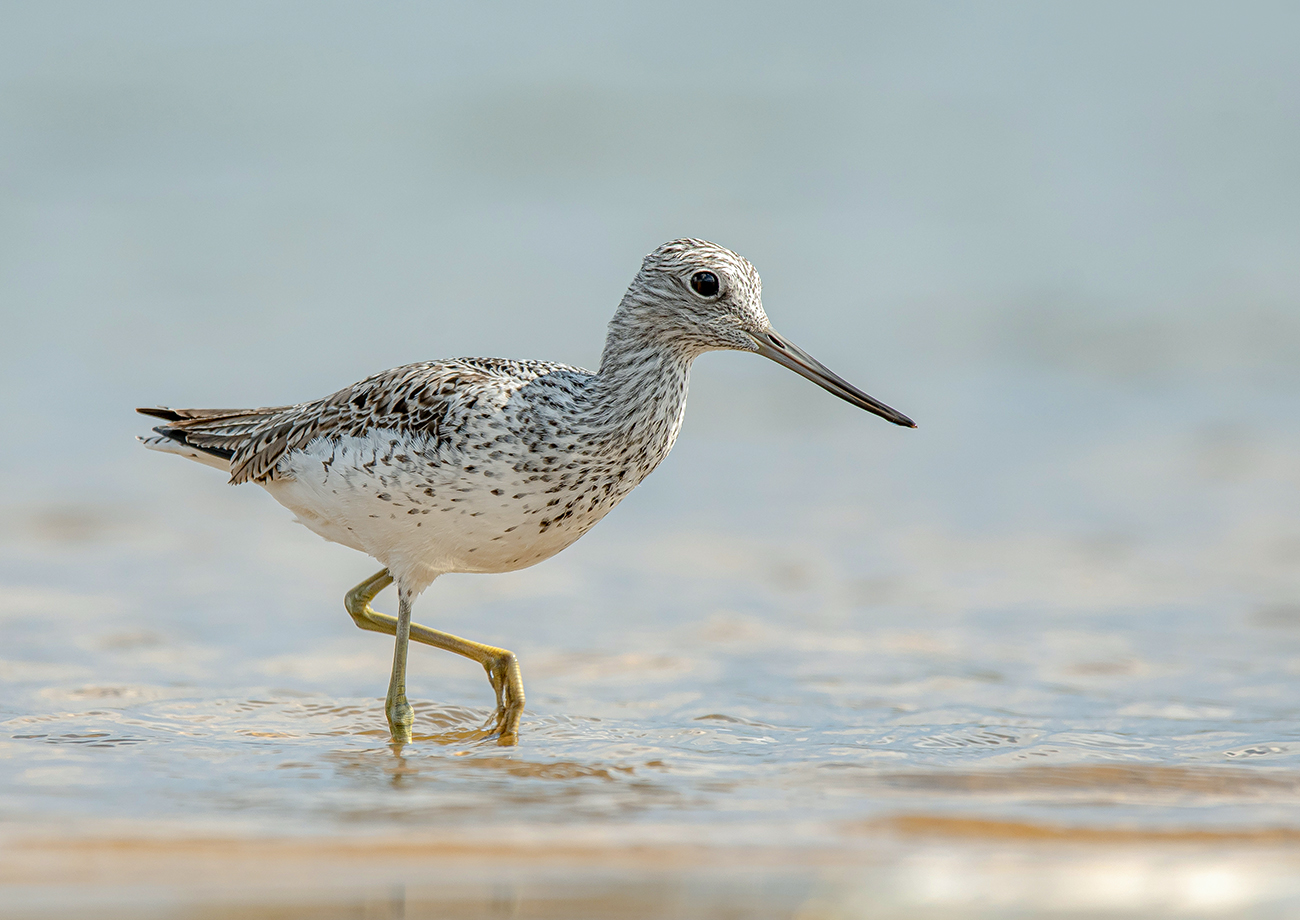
(490, 465)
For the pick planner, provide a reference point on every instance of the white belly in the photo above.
(422, 514)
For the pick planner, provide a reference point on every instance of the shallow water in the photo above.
(777, 704)
(1039, 657)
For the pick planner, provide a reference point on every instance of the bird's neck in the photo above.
(639, 395)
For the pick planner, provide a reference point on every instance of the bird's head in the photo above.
(701, 297)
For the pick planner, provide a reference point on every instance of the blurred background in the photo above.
(1063, 238)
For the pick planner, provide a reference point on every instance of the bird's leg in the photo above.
(358, 601)
(501, 665)
(400, 715)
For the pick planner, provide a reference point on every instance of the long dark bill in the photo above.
(771, 345)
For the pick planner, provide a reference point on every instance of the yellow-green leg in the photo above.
(400, 714)
(501, 665)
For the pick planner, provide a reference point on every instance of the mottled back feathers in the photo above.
(424, 399)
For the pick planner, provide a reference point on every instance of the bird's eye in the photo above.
(705, 284)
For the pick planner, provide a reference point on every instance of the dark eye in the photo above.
(705, 284)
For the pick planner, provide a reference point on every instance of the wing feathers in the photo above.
(417, 398)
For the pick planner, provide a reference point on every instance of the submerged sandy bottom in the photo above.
(909, 868)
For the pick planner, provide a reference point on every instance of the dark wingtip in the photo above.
(162, 412)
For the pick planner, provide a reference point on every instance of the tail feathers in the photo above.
(170, 445)
(209, 436)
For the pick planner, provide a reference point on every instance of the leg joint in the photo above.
(357, 601)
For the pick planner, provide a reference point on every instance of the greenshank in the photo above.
(490, 465)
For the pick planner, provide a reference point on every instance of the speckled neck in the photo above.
(639, 395)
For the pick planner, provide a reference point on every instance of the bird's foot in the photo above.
(504, 723)
(503, 672)
(400, 719)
